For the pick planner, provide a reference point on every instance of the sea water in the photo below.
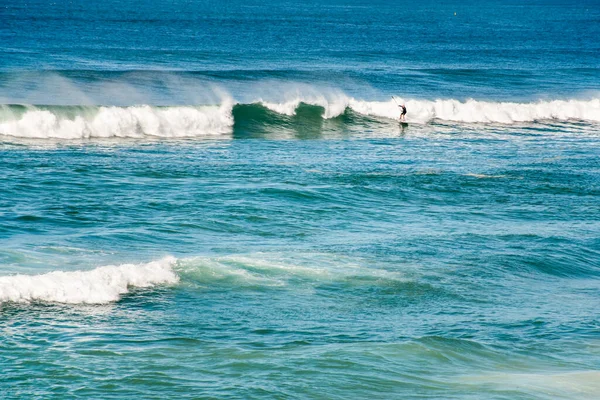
(205, 199)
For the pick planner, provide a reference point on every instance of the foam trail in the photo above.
(121, 122)
(97, 286)
(273, 270)
(583, 384)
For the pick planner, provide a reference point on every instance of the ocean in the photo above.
(215, 199)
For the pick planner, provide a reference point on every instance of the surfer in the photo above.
(402, 112)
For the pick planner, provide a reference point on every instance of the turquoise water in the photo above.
(206, 200)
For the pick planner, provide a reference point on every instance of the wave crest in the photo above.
(119, 122)
(65, 122)
(101, 285)
(473, 111)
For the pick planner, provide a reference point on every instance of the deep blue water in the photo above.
(207, 199)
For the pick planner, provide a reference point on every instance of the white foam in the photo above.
(473, 111)
(100, 285)
(123, 122)
(286, 108)
(334, 104)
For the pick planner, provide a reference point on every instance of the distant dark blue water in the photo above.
(204, 199)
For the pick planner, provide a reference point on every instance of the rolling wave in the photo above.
(109, 122)
(101, 285)
(109, 283)
(82, 122)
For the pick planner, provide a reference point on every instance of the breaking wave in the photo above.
(473, 111)
(101, 285)
(108, 283)
(120, 122)
(79, 122)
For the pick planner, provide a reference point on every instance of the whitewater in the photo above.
(138, 121)
(97, 286)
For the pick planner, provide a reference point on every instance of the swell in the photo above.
(82, 122)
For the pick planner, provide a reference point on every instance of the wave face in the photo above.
(78, 122)
(97, 286)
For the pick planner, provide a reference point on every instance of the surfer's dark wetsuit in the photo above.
(403, 111)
